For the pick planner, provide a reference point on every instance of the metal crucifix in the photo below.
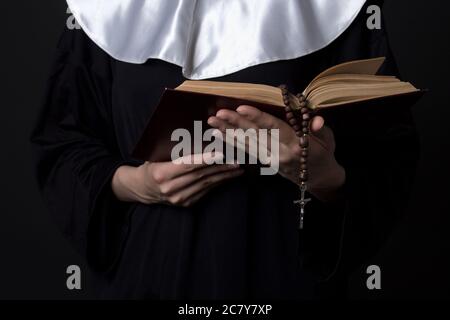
(302, 202)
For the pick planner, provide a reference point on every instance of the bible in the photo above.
(349, 87)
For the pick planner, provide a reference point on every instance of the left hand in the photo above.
(326, 176)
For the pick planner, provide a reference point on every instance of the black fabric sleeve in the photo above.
(380, 165)
(76, 153)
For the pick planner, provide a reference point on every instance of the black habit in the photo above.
(242, 239)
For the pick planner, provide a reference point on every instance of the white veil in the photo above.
(212, 38)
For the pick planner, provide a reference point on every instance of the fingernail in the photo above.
(221, 114)
(239, 109)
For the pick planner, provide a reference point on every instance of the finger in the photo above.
(236, 120)
(200, 194)
(184, 195)
(317, 124)
(321, 133)
(224, 131)
(202, 159)
(260, 118)
(194, 199)
(267, 121)
(189, 163)
(220, 124)
(170, 187)
(247, 142)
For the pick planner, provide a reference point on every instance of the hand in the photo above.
(326, 176)
(172, 183)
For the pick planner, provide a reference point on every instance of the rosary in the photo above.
(302, 131)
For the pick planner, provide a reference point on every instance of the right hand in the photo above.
(171, 183)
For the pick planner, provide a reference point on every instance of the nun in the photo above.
(208, 231)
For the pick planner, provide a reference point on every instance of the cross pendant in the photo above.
(302, 203)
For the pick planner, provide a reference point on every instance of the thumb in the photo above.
(317, 126)
(322, 132)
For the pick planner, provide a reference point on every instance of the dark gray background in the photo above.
(33, 255)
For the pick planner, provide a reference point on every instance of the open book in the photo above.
(349, 86)
(343, 84)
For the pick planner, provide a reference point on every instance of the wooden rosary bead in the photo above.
(304, 176)
(289, 115)
(300, 97)
(304, 142)
(301, 128)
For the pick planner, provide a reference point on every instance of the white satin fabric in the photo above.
(212, 38)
